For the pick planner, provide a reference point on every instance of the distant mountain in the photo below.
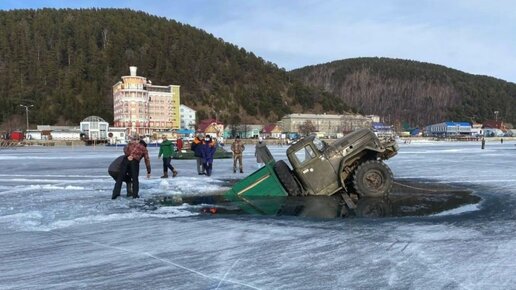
(65, 63)
(412, 93)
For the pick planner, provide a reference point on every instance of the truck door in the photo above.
(315, 171)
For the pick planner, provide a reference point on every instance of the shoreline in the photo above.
(401, 140)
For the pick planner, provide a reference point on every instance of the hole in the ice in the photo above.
(407, 198)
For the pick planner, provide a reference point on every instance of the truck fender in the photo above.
(341, 179)
(362, 155)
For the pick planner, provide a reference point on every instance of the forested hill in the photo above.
(65, 63)
(412, 92)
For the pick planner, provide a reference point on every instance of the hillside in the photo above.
(411, 92)
(65, 63)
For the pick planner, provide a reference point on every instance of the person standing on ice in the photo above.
(114, 170)
(196, 147)
(259, 153)
(238, 148)
(179, 143)
(208, 152)
(134, 151)
(166, 148)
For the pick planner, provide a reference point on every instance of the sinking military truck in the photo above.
(352, 166)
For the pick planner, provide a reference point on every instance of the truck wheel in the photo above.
(285, 176)
(372, 179)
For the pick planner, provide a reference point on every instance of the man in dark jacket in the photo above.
(197, 149)
(114, 171)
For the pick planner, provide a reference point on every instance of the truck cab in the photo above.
(315, 172)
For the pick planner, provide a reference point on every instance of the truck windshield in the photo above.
(319, 144)
(304, 154)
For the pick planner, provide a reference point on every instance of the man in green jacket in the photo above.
(166, 148)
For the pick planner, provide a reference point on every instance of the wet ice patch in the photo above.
(24, 220)
(40, 187)
(196, 185)
(37, 221)
(56, 187)
(176, 211)
(430, 233)
(459, 210)
(163, 185)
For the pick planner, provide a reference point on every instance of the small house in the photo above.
(272, 131)
(211, 127)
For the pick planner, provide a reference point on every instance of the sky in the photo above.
(474, 36)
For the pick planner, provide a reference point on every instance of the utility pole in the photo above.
(27, 113)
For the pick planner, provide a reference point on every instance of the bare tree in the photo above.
(306, 128)
(244, 128)
(234, 125)
(14, 122)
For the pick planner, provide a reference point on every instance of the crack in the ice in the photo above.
(159, 259)
(225, 274)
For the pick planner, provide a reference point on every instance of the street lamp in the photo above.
(27, 113)
(496, 116)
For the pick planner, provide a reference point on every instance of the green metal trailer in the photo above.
(262, 183)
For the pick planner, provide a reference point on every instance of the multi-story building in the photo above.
(447, 129)
(187, 115)
(329, 124)
(144, 108)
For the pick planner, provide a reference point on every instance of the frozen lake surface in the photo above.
(59, 228)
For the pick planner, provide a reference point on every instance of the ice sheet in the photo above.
(60, 229)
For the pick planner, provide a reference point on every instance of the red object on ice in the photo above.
(16, 135)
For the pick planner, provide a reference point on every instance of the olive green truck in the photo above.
(351, 167)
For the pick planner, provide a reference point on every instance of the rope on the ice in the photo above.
(413, 187)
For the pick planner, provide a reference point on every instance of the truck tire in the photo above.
(372, 178)
(285, 176)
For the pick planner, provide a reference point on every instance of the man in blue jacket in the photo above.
(208, 152)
